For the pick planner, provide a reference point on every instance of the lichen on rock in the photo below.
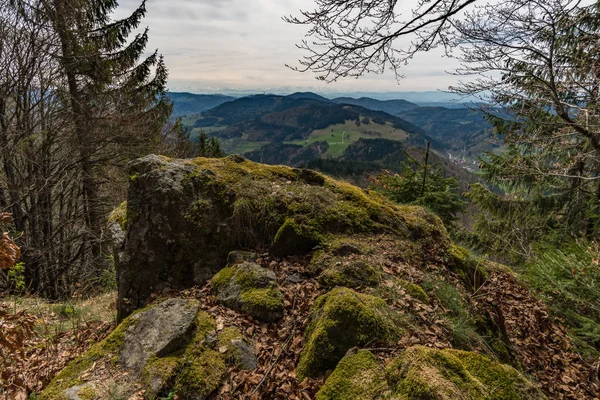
(340, 320)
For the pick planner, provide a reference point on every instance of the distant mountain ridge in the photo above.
(393, 107)
(190, 103)
(288, 118)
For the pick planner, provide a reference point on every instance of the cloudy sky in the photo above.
(211, 45)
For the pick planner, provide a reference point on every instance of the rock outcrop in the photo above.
(286, 283)
(185, 216)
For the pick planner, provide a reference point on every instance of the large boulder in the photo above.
(340, 320)
(185, 216)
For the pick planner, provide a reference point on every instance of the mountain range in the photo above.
(342, 136)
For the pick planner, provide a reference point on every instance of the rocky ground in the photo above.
(244, 281)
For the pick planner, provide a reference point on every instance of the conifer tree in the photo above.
(541, 69)
(117, 98)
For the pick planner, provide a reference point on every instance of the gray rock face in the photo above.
(158, 331)
(244, 354)
(175, 238)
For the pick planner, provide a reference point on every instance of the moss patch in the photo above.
(357, 376)
(202, 368)
(340, 320)
(471, 270)
(250, 289)
(71, 374)
(257, 302)
(350, 274)
(119, 215)
(424, 373)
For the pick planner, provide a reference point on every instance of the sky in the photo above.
(214, 45)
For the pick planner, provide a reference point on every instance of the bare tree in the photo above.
(354, 37)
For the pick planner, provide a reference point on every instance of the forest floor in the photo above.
(61, 332)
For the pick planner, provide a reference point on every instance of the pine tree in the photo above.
(117, 98)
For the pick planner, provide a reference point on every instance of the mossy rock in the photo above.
(191, 361)
(351, 274)
(250, 289)
(238, 351)
(358, 376)
(157, 374)
(292, 239)
(425, 373)
(71, 375)
(185, 216)
(340, 320)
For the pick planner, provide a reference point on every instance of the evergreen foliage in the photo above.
(425, 186)
(567, 278)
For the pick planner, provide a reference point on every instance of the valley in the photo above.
(305, 129)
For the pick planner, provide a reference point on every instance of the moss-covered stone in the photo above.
(424, 373)
(262, 304)
(358, 376)
(200, 374)
(237, 350)
(157, 374)
(250, 289)
(201, 368)
(414, 290)
(189, 214)
(291, 239)
(340, 320)
(351, 274)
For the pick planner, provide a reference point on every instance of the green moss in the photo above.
(200, 375)
(157, 374)
(291, 239)
(414, 291)
(296, 210)
(222, 278)
(226, 340)
(424, 373)
(352, 275)
(340, 320)
(259, 300)
(119, 215)
(357, 376)
(201, 368)
(471, 270)
(71, 374)
(87, 393)
(204, 325)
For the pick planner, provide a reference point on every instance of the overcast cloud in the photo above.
(210, 45)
